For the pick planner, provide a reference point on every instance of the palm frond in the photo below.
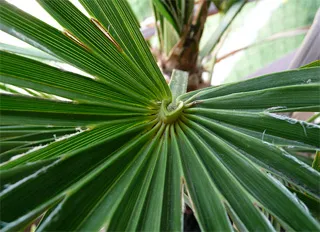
(125, 148)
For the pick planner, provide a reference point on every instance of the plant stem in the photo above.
(178, 86)
(313, 117)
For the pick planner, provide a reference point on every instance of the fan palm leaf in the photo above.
(123, 151)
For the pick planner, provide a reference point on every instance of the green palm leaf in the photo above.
(122, 152)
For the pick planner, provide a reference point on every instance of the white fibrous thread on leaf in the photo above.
(296, 160)
(29, 151)
(293, 121)
(263, 135)
(56, 139)
(9, 187)
(54, 215)
(78, 129)
(288, 193)
(276, 108)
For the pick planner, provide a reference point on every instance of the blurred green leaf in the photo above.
(316, 161)
(236, 6)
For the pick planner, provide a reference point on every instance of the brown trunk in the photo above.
(184, 55)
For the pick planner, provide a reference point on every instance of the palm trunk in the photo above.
(184, 55)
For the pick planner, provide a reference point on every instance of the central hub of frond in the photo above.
(169, 113)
